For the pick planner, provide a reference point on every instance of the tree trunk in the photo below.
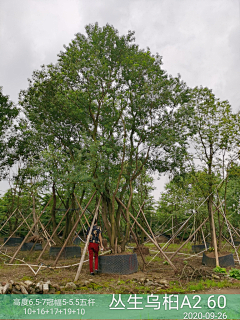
(35, 216)
(53, 216)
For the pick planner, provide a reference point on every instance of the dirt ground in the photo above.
(158, 277)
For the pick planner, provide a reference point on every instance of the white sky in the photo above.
(200, 39)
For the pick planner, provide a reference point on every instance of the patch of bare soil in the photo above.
(220, 254)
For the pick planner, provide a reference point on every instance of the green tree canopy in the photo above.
(8, 112)
(110, 109)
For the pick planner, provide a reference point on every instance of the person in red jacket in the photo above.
(93, 247)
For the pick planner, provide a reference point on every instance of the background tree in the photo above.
(8, 112)
(213, 129)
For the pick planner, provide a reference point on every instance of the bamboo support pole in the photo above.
(154, 242)
(229, 242)
(45, 247)
(137, 214)
(87, 242)
(190, 237)
(158, 254)
(50, 220)
(234, 229)
(24, 240)
(44, 266)
(175, 235)
(47, 236)
(161, 227)
(214, 236)
(15, 231)
(82, 211)
(73, 229)
(149, 228)
(229, 230)
(214, 239)
(61, 230)
(136, 241)
(44, 228)
(25, 221)
(8, 219)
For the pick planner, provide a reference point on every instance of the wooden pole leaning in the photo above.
(214, 239)
(190, 237)
(50, 239)
(8, 219)
(83, 216)
(136, 241)
(25, 220)
(15, 231)
(73, 228)
(137, 214)
(234, 229)
(145, 219)
(82, 210)
(87, 242)
(150, 238)
(229, 230)
(24, 240)
(176, 233)
(47, 235)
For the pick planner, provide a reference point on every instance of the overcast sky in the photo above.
(200, 39)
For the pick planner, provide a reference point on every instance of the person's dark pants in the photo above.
(93, 248)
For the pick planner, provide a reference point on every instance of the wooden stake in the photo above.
(137, 214)
(175, 235)
(47, 235)
(229, 230)
(8, 219)
(152, 240)
(82, 211)
(87, 242)
(15, 231)
(137, 244)
(214, 240)
(25, 221)
(45, 247)
(73, 228)
(24, 240)
(189, 238)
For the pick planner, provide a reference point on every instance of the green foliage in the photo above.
(235, 273)
(8, 112)
(100, 118)
(218, 269)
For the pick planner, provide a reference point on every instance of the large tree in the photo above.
(8, 112)
(111, 110)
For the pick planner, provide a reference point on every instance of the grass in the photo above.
(156, 259)
(27, 278)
